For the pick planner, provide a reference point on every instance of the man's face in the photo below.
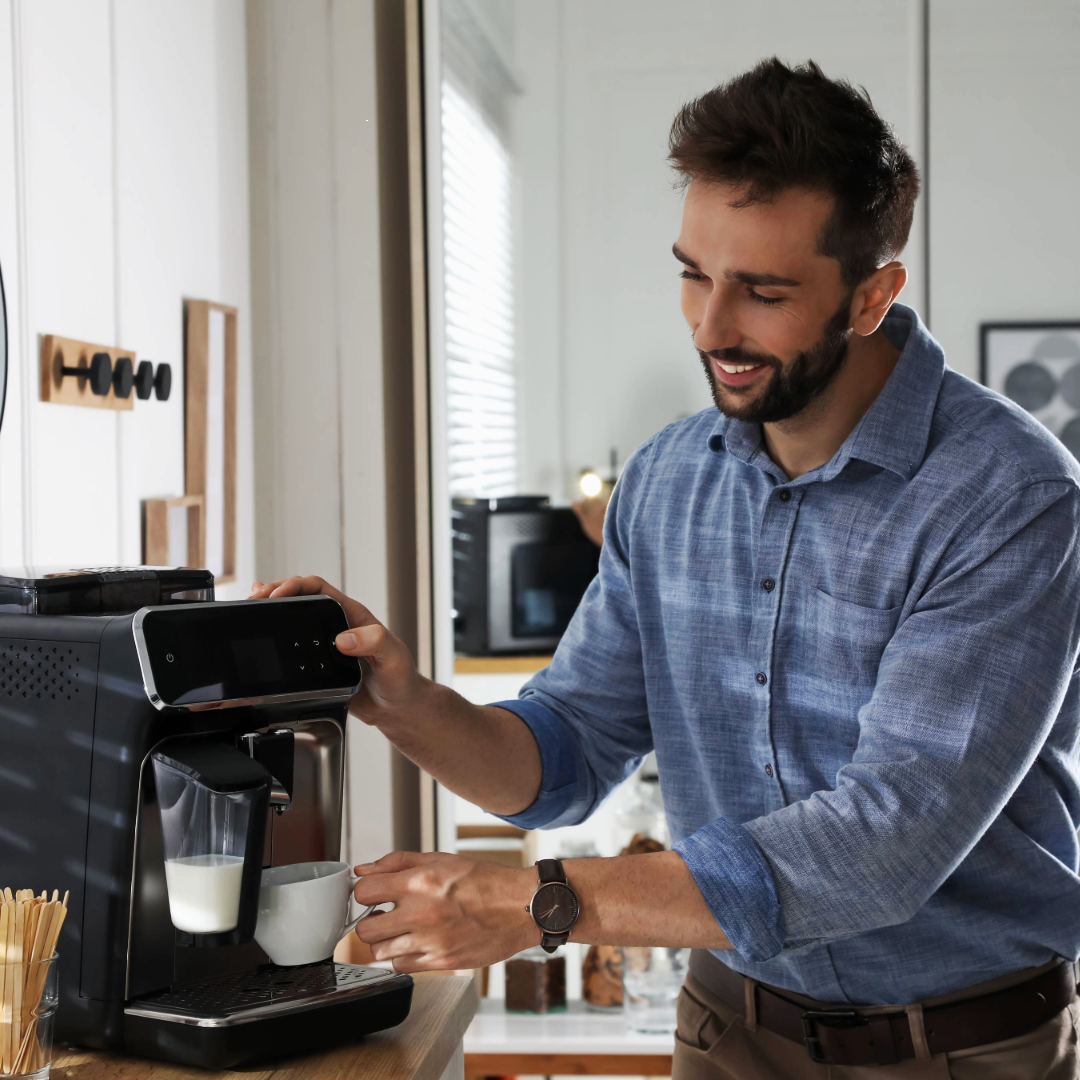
(769, 315)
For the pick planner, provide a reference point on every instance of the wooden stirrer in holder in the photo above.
(29, 928)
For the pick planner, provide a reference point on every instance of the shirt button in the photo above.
(768, 770)
(768, 584)
(762, 678)
(783, 495)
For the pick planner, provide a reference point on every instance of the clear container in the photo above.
(206, 838)
(30, 995)
(641, 811)
(652, 979)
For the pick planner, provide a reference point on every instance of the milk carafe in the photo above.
(213, 801)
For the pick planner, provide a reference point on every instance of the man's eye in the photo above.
(691, 276)
(765, 299)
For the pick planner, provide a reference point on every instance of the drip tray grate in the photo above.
(269, 989)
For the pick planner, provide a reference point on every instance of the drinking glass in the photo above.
(652, 979)
(28, 997)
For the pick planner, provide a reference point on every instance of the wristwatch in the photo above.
(554, 907)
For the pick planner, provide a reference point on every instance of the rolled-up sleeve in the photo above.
(587, 710)
(967, 691)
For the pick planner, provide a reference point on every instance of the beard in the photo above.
(793, 386)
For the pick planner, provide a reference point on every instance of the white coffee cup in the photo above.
(304, 911)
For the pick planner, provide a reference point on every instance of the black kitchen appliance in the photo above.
(103, 720)
(100, 590)
(521, 567)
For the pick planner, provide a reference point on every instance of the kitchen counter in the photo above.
(427, 1046)
(574, 1042)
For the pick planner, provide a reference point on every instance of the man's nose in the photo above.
(718, 329)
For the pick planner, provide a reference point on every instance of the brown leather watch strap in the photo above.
(549, 870)
(839, 1036)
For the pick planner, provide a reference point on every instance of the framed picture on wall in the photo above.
(1037, 365)
(210, 427)
(173, 532)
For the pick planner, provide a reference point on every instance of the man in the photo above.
(842, 608)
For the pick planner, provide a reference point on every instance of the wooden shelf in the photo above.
(499, 665)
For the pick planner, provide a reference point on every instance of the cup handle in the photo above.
(366, 910)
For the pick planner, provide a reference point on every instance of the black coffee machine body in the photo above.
(249, 699)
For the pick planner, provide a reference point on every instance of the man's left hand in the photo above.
(450, 911)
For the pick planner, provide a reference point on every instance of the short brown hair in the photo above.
(776, 127)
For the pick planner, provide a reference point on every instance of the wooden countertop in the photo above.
(499, 665)
(418, 1049)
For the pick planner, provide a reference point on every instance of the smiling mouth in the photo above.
(737, 375)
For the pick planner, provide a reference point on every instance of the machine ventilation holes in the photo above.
(39, 671)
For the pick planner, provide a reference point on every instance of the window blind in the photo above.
(478, 277)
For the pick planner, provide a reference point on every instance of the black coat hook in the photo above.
(122, 377)
(99, 373)
(144, 380)
(163, 382)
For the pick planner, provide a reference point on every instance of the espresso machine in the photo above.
(151, 717)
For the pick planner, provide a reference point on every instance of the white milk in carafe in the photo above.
(204, 892)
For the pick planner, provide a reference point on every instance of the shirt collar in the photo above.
(894, 431)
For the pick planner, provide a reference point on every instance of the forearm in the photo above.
(642, 900)
(483, 754)
(451, 911)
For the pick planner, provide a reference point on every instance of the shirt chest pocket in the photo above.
(845, 639)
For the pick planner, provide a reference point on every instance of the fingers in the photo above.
(355, 612)
(370, 640)
(394, 863)
(380, 926)
(407, 965)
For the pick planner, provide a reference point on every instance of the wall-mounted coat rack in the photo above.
(97, 376)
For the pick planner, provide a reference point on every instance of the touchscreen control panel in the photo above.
(244, 651)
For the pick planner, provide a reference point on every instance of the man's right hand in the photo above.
(391, 684)
(485, 754)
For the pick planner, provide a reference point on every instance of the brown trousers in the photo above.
(715, 1043)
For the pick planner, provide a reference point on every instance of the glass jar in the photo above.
(26, 1029)
(652, 979)
(641, 811)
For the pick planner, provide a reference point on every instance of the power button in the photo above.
(169, 656)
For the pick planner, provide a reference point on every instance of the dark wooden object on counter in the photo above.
(419, 1049)
(535, 982)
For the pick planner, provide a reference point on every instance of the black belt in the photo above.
(844, 1036)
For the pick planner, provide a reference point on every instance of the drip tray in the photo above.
(268, 991)
(269, 1013)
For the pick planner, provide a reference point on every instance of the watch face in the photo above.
(555, 908)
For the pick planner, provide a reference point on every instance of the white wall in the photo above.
(123, 190)
(321, 429)
(600, 297)
(1004, 168)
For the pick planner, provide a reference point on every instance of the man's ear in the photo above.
(875, 295)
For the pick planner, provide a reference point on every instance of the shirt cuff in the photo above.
(734, 877)
(558, 754)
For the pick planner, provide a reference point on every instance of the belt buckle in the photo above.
(835, 1018)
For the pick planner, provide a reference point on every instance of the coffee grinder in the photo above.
(168, 753)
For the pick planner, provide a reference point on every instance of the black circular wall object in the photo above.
(99, 373)
(163, 382)
(123, 377)
(144, 380)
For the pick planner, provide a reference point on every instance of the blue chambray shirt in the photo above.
(861, 686)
